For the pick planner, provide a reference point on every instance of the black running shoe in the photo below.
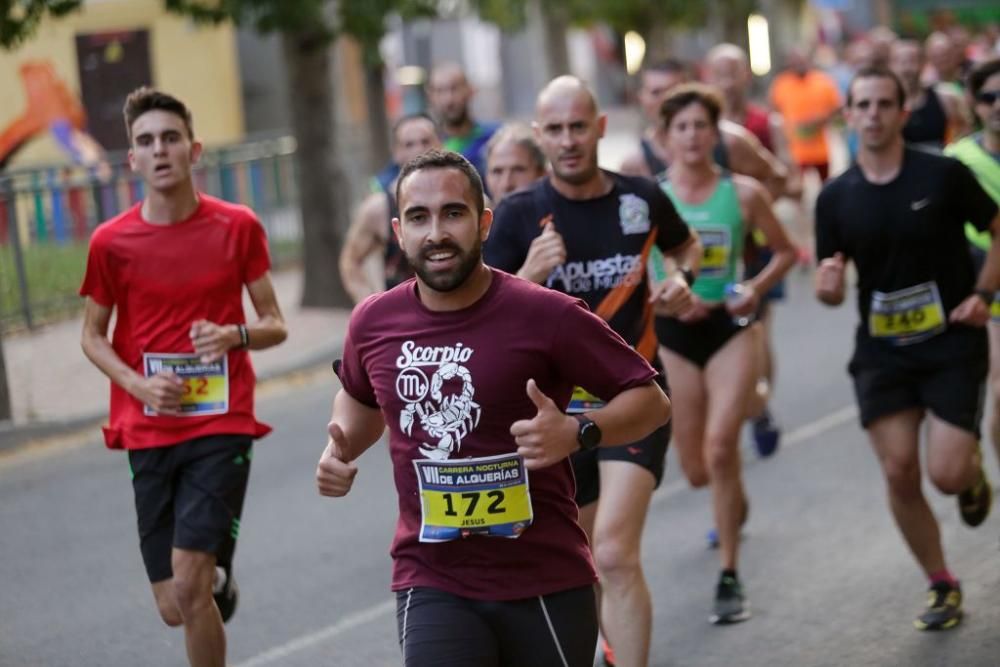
(944, 608)
(731, 605)
(974, 503)
(226, 592)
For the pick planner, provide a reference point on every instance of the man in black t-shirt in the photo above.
(921, 350)
(590, 233)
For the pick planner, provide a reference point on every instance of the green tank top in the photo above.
(986, 170)
(719, 223)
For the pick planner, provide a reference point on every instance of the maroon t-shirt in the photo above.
(467, 371)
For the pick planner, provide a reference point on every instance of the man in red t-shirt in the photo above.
(173, 268)
(470, 368)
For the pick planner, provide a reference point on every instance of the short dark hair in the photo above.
(982, 71)
(666, 66)
(877, 72)
(436, 159)
(520, 134)
(687, 94)
(406, 118)
(144, 99)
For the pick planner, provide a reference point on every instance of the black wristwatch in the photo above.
(688, 275)
(589, 435)
(986, 295)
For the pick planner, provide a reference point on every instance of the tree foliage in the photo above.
(20, 18)
(639, 15)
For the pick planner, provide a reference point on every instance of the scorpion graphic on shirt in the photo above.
(447, 418)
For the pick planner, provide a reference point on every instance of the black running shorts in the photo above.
(698, 341)
(190, 496)
(439, 629)
(953, 393)
(649, 453)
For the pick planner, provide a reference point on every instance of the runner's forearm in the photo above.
(632, 415)
(362, 425)
(98, 349)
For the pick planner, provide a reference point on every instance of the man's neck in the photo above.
(166, 208)
(460, 129)
(467, 294)
(882, 166)
(915, 96)
(596, 186)
(991, 141)
(736, 109)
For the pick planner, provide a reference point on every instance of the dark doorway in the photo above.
(112, 64)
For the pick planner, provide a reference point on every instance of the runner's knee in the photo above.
(721, 456)
(949, 477)
(902, 476)
(616, 562)
(166, 604)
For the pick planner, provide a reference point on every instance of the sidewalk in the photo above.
(55, 389)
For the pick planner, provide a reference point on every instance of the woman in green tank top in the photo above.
(709, 351)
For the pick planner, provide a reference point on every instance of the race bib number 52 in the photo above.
(481, 496)
(206, 386)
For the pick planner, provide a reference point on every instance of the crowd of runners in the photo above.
(543, 329)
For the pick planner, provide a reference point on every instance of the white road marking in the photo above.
(376, 612)
(349, 622)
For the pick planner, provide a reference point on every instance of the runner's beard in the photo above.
(449, 280)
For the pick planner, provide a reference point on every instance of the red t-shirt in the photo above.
(484, 353)
(160, 279)
(756, 120)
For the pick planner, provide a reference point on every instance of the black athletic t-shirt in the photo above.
(905, 233)
(607, 239)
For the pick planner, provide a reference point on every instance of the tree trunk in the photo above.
(323, 190)
(378, 120)
(554, 27)
(5, 411)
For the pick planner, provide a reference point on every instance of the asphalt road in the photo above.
(830, 580)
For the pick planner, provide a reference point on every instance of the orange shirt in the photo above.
(801, 100)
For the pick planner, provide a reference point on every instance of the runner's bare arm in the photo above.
(974, 310)
(829, 280)
(688, 254)
(161, 392)
(759, 213)
(212, 340)
(546, 252)
(353, 428)
(749, 157)
(360, 424)
(551, 435)
(366, 235)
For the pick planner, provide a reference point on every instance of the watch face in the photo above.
(590, 435)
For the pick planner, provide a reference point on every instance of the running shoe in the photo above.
(974, 503)
(944, 608)
(226, 592)
(731, 604)
(766, 434)
(607, 655)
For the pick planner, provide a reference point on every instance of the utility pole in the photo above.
(5, 411)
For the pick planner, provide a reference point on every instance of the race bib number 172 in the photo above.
(480, 496)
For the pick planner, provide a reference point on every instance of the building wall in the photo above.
(196, 63)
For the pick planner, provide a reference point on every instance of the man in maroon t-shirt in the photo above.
(469, 367)
(173, 268)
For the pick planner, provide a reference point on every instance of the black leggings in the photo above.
(440, 629)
